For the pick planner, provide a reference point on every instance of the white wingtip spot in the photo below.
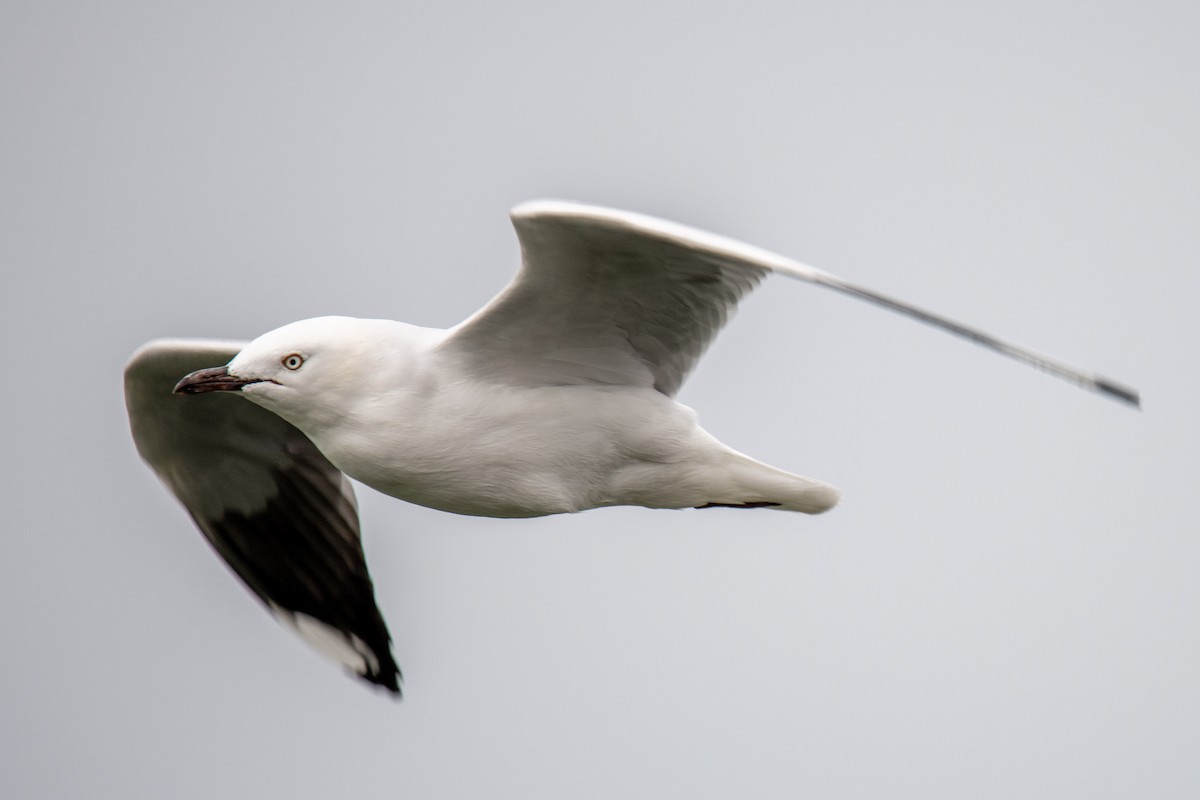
(342, 648)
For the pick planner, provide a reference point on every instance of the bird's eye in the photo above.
(293, 361)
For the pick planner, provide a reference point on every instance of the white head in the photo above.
(309, 372)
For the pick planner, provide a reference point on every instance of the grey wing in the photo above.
(614, 297)
(273, 507)
(600, 299)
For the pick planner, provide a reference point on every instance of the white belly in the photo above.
(513, 452)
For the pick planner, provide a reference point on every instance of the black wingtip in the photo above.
(388, 677)
(1119, 392)
(385, 681)
(383, 674)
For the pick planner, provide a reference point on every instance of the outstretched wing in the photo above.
(603, 297)
(281, 516)
(614, 297)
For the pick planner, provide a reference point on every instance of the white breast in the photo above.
(505, 451)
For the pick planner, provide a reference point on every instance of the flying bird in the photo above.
(556, 397)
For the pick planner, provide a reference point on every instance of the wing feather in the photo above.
(615, 297)
(601, 301)
(271, 505)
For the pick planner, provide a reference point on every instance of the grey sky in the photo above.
(1004, 606)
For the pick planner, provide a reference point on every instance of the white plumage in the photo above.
(556, 397)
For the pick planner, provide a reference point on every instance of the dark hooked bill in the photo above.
(213, 379)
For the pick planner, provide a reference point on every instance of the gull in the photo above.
(556, 397)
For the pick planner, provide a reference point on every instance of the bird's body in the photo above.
(424, 427)
(556, 397)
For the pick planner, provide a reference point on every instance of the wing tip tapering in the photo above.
(1120, 392)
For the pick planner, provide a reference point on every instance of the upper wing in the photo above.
(604, 297)
(267, 500)
(614, 297)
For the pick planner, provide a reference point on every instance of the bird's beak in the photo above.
(214, 379)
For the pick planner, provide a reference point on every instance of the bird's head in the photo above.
(307, 372)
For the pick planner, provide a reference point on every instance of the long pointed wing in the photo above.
(615, 297)
(281, 516)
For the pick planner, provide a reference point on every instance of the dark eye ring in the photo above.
(293, 361)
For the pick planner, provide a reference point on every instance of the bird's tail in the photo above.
(752, 484)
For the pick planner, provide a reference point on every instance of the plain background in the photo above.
(1004, 606)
